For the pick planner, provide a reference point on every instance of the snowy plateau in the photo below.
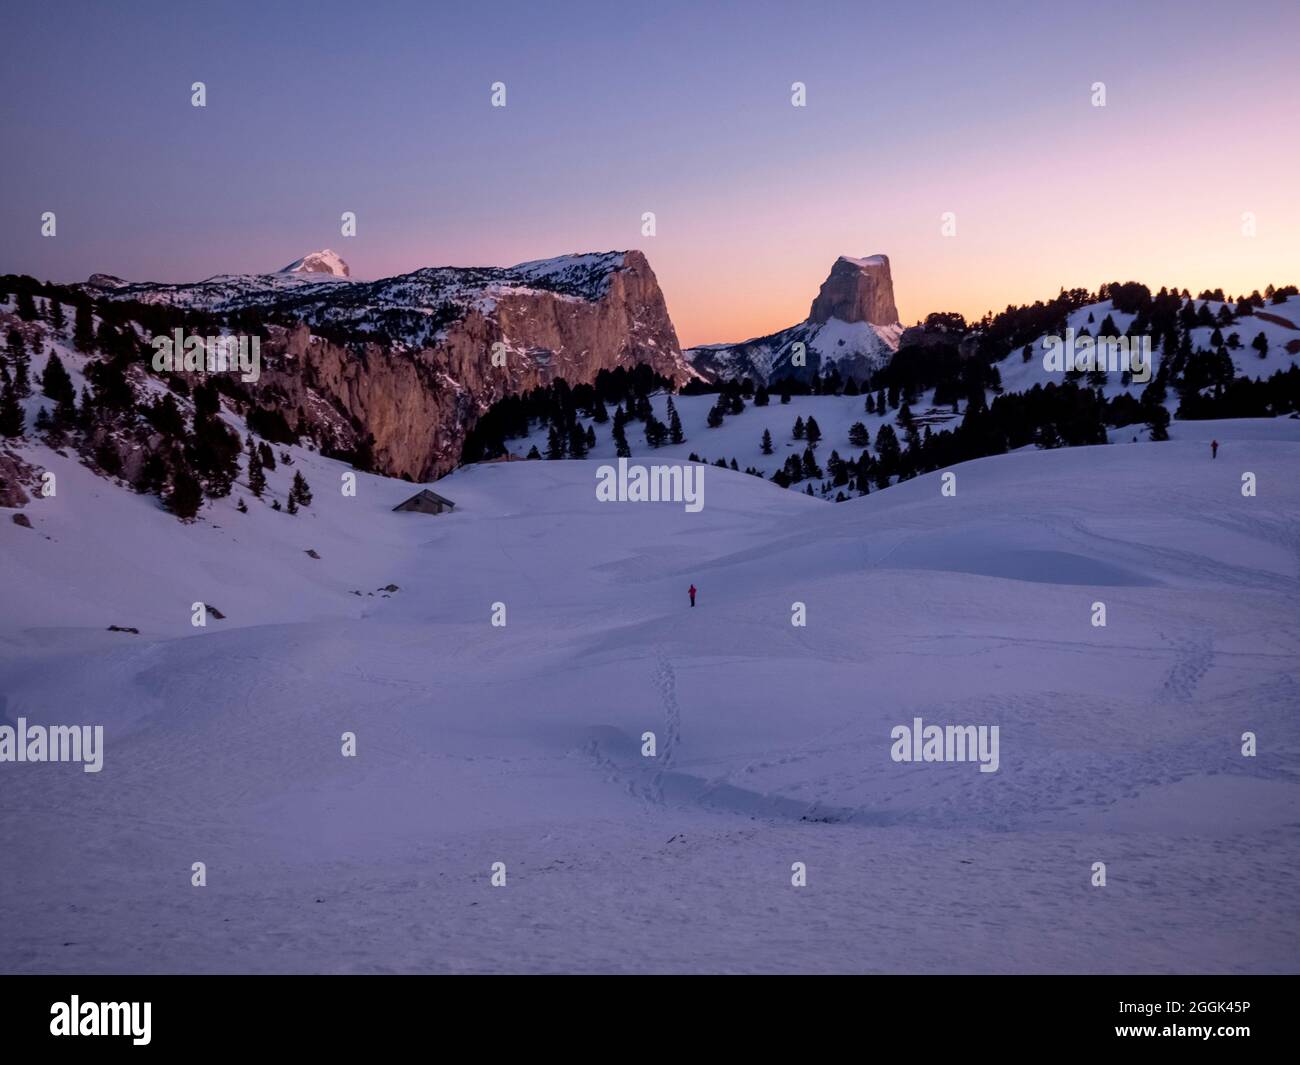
(520, 746)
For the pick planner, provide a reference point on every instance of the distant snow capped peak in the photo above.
(319, 262)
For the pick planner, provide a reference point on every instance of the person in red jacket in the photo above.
(1214, 449)
(691, 593)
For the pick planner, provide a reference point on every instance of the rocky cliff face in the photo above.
(412, 361)
(857, 290)
(852, 326)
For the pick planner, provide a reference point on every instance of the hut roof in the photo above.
(426, 496)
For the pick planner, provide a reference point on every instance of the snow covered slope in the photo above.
(521, 744)
(856, 348)
(1280, 324)
(740, 436)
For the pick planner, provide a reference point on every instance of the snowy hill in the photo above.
(856, 348)
(522, 744)
(1279, 323)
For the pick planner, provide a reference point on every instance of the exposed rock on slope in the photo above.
(857, 290)
(409, 360)
(852, 325)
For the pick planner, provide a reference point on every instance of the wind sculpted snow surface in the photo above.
(522, 744)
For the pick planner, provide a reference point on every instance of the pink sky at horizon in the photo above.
(684, 110)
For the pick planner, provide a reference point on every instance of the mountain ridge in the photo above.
(403, 366)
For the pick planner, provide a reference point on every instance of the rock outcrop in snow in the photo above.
(412, 361)
(852, 326)
(857, 290)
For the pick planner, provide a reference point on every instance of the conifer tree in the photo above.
(83, 329)
(22, 372)
(256, 476)
(810, 467)
(767, 442)
(86, 415)
(186, 495)
(300, 492)
(887, 450)
(555, 445)
(577, 442)
(11, 412)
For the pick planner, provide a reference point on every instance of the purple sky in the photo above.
(682, 109)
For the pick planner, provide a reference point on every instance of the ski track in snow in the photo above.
(665, 682)
(522, 744)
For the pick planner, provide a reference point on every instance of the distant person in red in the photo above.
(691, 593)
(1214, 449)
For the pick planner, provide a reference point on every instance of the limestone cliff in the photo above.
(412, 361)
(852, 326)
